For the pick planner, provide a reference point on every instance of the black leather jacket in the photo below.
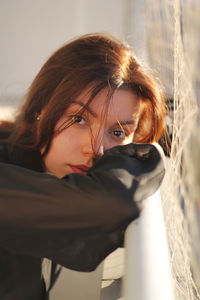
(75, 221)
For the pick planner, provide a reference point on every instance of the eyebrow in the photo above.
(86, 107)
(121, 123)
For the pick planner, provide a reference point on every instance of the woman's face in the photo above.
(74, 149)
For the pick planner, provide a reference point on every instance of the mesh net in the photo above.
(174, 51)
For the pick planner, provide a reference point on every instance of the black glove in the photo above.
(139, 167)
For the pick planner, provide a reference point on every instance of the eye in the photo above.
(120, 134)
(78, 119)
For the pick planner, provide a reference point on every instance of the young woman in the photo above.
(71, 177)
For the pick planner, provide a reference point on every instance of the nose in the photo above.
(100, 143)
(86, 145)
(100, 150)
(94, 145)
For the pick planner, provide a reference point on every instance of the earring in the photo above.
(37, 117)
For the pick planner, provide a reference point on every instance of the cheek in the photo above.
(64, 143)
(61, 143)
(53, 156)
(113, 143)
(129, 139)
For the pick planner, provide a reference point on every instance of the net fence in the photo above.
(173, 47)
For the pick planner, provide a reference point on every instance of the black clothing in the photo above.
(75, 221)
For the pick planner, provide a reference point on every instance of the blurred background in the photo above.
(30, 31)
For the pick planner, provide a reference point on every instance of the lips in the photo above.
(82, 169)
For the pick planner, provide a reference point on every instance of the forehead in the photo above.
(122, 104)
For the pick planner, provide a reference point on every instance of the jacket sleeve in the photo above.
(78, 220)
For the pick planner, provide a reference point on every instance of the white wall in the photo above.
(31, 30)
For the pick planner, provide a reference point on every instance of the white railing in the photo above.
(147, 266)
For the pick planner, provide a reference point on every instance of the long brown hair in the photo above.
(102, 60)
